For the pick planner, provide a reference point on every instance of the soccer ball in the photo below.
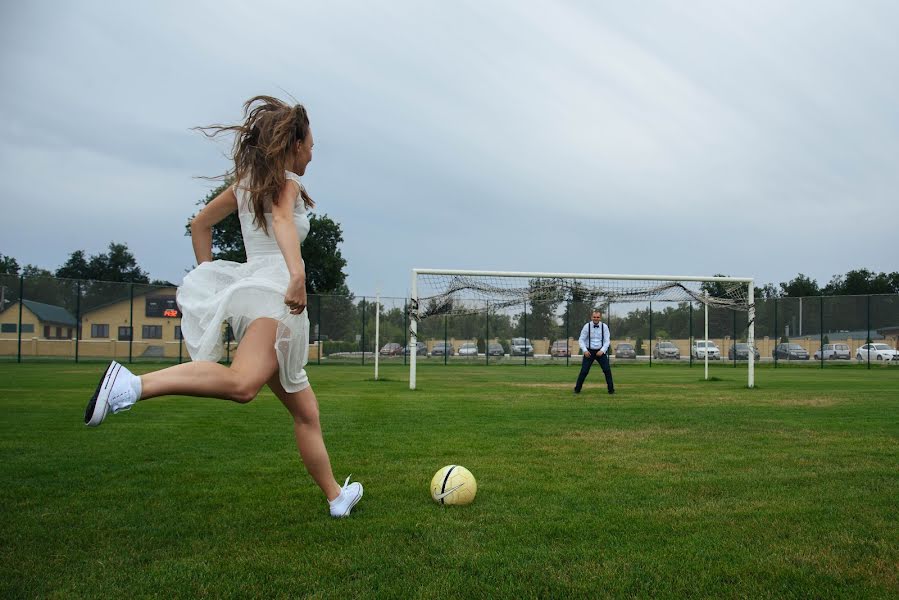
(453, 485)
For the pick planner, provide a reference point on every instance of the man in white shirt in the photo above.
(594, 343)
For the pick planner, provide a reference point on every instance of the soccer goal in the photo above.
(454, 292)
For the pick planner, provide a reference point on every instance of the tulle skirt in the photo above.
(239, 293)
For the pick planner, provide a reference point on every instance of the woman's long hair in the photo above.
(263, 147)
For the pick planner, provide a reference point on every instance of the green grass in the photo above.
(674, 487)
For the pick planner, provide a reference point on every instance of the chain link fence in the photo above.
(46, 318)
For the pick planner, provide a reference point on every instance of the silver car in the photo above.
(468, 349)
(521, 347)
(666, 350)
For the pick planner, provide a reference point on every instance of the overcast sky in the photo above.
(747, 138)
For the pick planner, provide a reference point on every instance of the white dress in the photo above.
(223, 290)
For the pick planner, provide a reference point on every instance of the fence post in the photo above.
(868, 336)
(650, 333)
(445, 339)
(406, 329)
(487, 337)
(776, 337)
(321, 346)
(567, 334)
(363, 330)
(77, 318)
(690, 337)
(21, 303)
(733, 341)
(821, 334)
(131, 323)
(526, 333)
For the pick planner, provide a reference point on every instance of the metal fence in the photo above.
(46, 318)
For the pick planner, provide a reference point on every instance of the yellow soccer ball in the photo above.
(453, 485)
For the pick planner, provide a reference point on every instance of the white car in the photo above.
(833, 351)
(703, 347)
(468, 349)
(877, 352)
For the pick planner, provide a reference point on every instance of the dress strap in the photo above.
(294, 177)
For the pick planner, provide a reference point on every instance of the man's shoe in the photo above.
(577, 391)
(350, 494)
(611, 392)
(118, 390)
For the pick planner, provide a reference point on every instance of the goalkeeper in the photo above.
(594, 342)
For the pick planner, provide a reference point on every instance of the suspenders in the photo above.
(602, 335)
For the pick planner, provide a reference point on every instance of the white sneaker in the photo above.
(118, 390)
(350, 494)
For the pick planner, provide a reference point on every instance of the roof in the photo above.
(841, 336)
(50, 313)
(164, 290)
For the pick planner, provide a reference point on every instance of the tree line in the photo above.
(337, 315)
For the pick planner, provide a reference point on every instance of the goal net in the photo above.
(438, 292)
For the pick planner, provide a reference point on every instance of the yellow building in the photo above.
(47, 330)
(40, 320)
(154, 328)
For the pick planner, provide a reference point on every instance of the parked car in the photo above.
(741, 351)
(790, 352)
(468, 349)
(421, 349)
(495, 349)
(391, 349)
(560, 348)
(521, 347)
(623, 350)
(834, 351)
(666, 350)
(876, 352)
(703, 347)
(443, 348)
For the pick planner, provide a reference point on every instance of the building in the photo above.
(46, 321)
(151, 330)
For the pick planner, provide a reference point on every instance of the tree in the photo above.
(862, 281)
(546, 295)
(8, 265)
(42, 286)
(581, 303)
(105, 277)
(800, 286)
(766, 292)
(321, 252)
(116, 265)
(337, 313)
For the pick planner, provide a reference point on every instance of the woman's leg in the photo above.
(308, 431)
(254, 363)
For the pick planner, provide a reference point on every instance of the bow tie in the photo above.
(597, 326)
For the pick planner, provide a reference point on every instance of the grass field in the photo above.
(674, 487)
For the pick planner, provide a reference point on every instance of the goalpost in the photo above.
(447, 290)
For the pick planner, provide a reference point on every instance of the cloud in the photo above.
(513, 136)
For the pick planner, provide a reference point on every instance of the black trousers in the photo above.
(587, 362)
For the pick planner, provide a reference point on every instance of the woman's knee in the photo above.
(306, 412)
(245, 390)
